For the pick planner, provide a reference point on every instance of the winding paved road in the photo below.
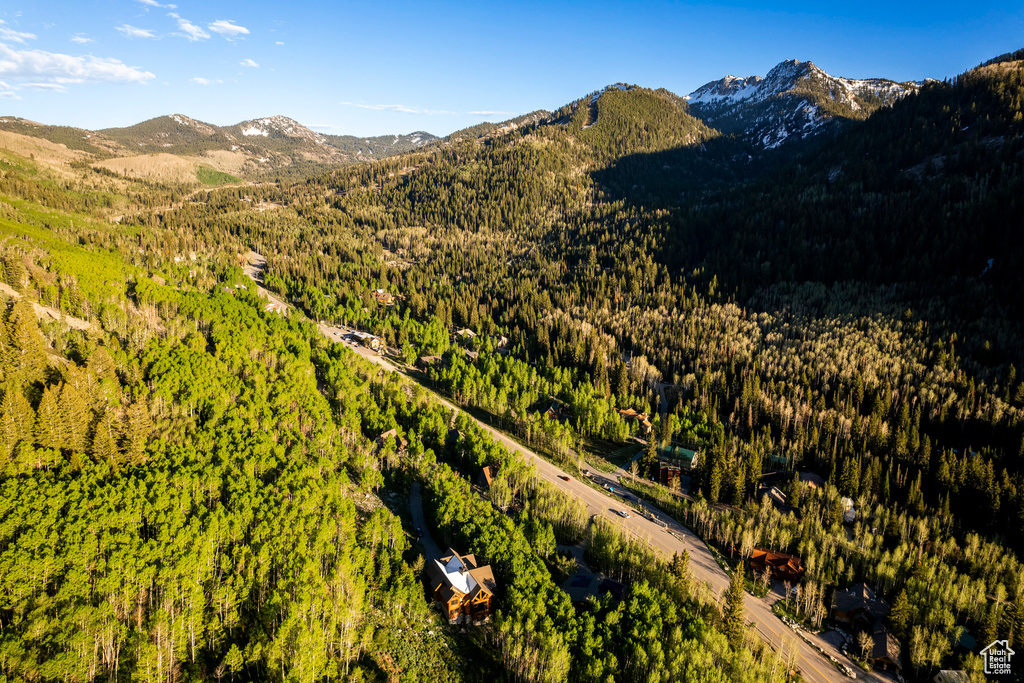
(668, 540)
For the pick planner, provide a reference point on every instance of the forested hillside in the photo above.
(847, 306)
(193, 488)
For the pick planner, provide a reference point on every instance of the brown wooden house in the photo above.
(400, 443)
(487, 475)
(668, 475)
(630, 415)
(783, 567)
(465, 592)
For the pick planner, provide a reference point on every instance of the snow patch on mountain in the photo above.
(595, 96)
(281, 125)
(787, 101)
(730, 89)
(189, 122)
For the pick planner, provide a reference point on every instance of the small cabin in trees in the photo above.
(644, 424)
(556, 411)
(486, 477)
(668, 475)
(675, 454)
(400, 443)
(464, 591)
(275, 308)
(777, 497)
(782, 566)
(383, 298)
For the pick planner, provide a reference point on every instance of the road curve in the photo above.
(668, 540)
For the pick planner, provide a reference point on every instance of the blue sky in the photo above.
(369, 68)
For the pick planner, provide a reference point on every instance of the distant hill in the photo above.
(381, 146)
(274, 139)
(252, 149)
(794, 101)
(72, 138)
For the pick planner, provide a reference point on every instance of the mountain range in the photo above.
(246, 149)
(794, 101)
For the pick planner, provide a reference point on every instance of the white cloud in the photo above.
(14, 36)
(56, 87)
(7, 92)
(133, 32)
(228, 29)
(154, 3)
(188, 29)
(401, 108)
(249, 63)
(60, 68)
(279, 43)
(487, 112)
(80, 39)
(206, 81)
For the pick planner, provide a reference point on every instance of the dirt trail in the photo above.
(255, 266)
(47, 312)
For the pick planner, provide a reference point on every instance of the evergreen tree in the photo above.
(899, 614)
(138, 427)
(103, 445)
(739, 485)
(650, 461)
(50, 428)
(715, 482)
(621, 381)
(734, 624)
(28, 348)
(794, 490)
(77, 415)
(17, 419)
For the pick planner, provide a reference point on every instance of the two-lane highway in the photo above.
(668, 539)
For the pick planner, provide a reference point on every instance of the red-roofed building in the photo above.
(783, 567)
